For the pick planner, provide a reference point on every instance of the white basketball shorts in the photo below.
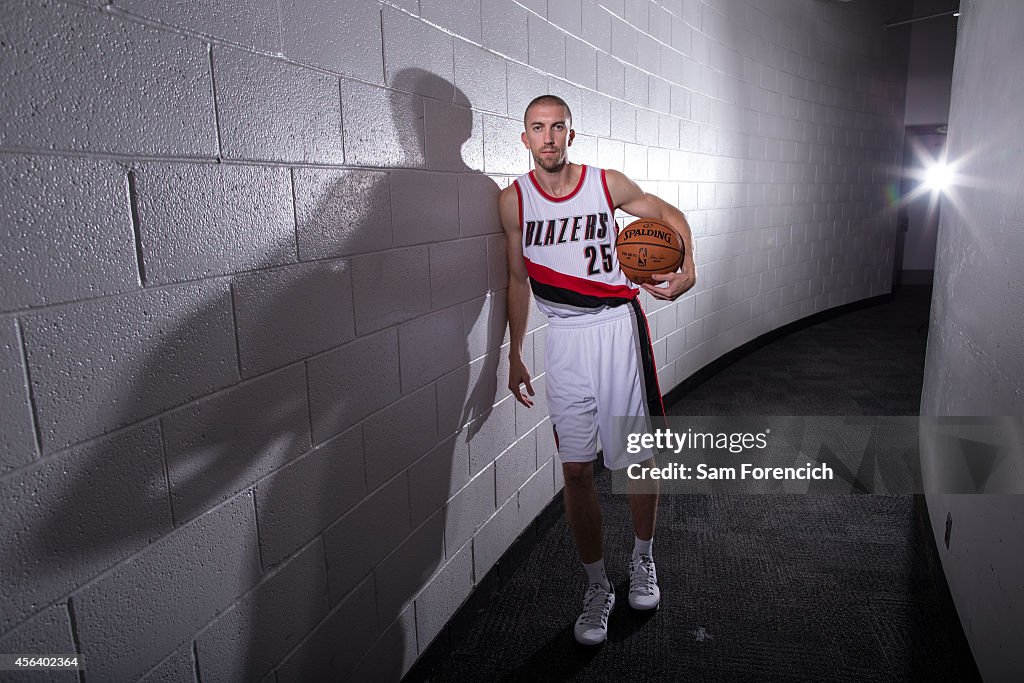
(600, 367)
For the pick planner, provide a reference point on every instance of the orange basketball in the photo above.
(647, 247)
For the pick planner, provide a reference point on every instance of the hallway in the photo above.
(763, 587)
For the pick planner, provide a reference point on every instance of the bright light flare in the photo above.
(938, 176)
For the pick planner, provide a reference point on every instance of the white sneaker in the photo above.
(592, 625)
(643, 584)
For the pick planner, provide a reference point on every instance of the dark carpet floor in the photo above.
(795, 587)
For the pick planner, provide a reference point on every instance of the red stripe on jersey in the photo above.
(607, 194)
(519, 194)
(578, 284)
(545, 195)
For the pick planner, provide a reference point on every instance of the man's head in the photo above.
(549, 132)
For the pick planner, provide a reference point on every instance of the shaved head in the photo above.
(547, 99)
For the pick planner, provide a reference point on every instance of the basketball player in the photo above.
(559, 220)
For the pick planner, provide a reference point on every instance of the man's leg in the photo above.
(582, 510)
(643, 503)
(643, 578)
(583, 513)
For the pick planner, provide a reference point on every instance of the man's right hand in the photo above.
(518, 375)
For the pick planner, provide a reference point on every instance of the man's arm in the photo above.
(518, 294)
(628, 196)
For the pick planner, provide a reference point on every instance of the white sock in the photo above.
(595, 574)
(642, 547)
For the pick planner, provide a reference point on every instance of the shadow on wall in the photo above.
(346, 463)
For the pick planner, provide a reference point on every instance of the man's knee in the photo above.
(578, 474)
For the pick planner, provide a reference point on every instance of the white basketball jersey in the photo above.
(569, 246)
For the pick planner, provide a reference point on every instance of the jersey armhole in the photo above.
(607, 194)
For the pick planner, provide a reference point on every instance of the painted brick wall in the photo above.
(252, 344)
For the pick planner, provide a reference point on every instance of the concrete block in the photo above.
(612, 154)
(513, 467)
(567, 15)
(546, 444)
(497, 263)
(503, 147)
(339, 213)
(383, 128)
(274, 111)
(624, 41)
(423, 207)
(390, 287)
(584, 150)
(610, 76)
(103, 364)
(495, 537)
(402, 575)
(494, 434)
(469, 392)
(103, 64)
(485, 323)
(637, 13)
(203, 220)
(49, 632)
(68, 518)
(478, 205)
(394, 653)
(436, 476)
(375, 527)
(467, 510)
(178, 667)
(442, 597)
(623, 121)
(286, 314)
(430, 347)
(305, 496)
(341, 37)
(538, 6)
(648, 55)
(461, 17)
(319, 658)
(458, 271)
(480, 75)
(647, 127)
(418, 57)
(528, 418)
(539, 342)
(580, 63)
(221, 445)
(17, 439)
(505, 28)
(245, 642)
(352, 382)
(71, 222)
(635, 163)
(524, 84)
(596, 26)
(547, 46)
(535, 494)
(397, 436)
(131, 618)
(252, 24)
(453, 136)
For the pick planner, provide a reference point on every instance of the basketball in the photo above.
(647, 247)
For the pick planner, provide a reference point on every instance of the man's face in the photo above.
(548, 135)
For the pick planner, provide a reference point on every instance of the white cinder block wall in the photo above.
(251, 361)
(975, 355)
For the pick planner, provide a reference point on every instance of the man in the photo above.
(559, 220)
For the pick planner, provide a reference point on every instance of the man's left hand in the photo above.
(678, 282)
